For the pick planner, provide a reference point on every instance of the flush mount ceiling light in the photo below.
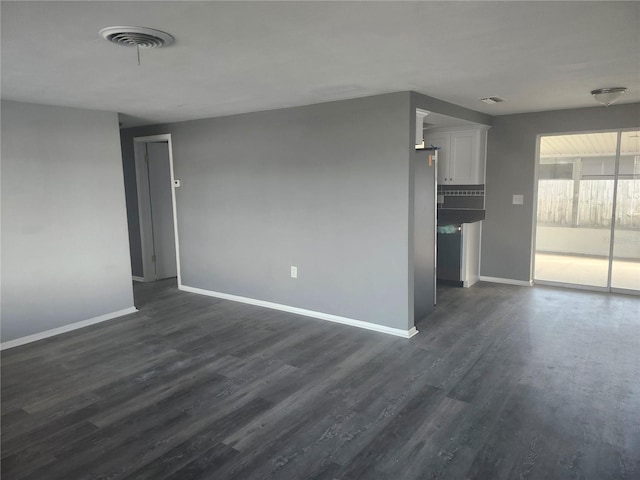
(607, 96)
(139, 37)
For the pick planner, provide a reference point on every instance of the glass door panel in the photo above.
(576, 180)
(625, 270)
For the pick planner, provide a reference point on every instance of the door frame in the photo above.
(144, 204)
(608, 288)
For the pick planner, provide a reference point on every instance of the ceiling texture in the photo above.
(237, 57)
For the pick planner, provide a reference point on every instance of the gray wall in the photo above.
(268, 137)
(511, 162)
(64, 232)
(434, 105)
(323, 187)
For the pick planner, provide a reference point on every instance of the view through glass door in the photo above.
(588, 212)
(625, 272)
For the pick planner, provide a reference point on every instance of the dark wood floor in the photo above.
(501, 383)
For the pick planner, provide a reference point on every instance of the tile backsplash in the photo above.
(468, 197)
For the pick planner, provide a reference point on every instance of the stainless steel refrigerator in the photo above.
(424, 220)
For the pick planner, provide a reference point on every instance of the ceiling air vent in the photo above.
(136, 37)
(492, 100)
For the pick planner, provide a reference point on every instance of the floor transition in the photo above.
(502, 382)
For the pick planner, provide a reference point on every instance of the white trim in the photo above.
(144, 215)
(66, 328)
(137, 279)
(625, 291)
(308, 313)
(506, 281)
(571, 286)
(461, 128)
(144, 212)
(175, 210)
(534, 215)
(589, 288)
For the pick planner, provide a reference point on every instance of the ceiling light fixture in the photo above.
(139, 37)
(607, 96)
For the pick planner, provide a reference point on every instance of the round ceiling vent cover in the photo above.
(137, 37)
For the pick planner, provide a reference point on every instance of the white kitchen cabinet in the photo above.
(462, 154)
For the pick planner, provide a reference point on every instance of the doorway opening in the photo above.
(156, 185)
(587, 231)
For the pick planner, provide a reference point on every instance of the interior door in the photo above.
(164, 246)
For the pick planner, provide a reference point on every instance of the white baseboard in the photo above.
(471, 282)
(507, 281)
(137, 279)
(307, 313)
(65, 328)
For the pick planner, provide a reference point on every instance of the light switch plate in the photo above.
(294, 272)
(518, 199)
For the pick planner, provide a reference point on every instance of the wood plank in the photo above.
(502, 382)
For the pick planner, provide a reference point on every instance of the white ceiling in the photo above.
(233, 57)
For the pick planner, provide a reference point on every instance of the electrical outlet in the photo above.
(518, 199)
(294, 272)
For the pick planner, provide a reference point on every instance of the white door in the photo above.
(164, 246)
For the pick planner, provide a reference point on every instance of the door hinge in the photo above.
(153, 258)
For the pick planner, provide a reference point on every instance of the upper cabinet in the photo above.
(462, 154)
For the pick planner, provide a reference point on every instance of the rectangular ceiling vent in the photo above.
(492, 100)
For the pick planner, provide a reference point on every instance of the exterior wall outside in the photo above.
(587, 241)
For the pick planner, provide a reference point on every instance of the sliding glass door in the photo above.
(625, 268)
(588, 211)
